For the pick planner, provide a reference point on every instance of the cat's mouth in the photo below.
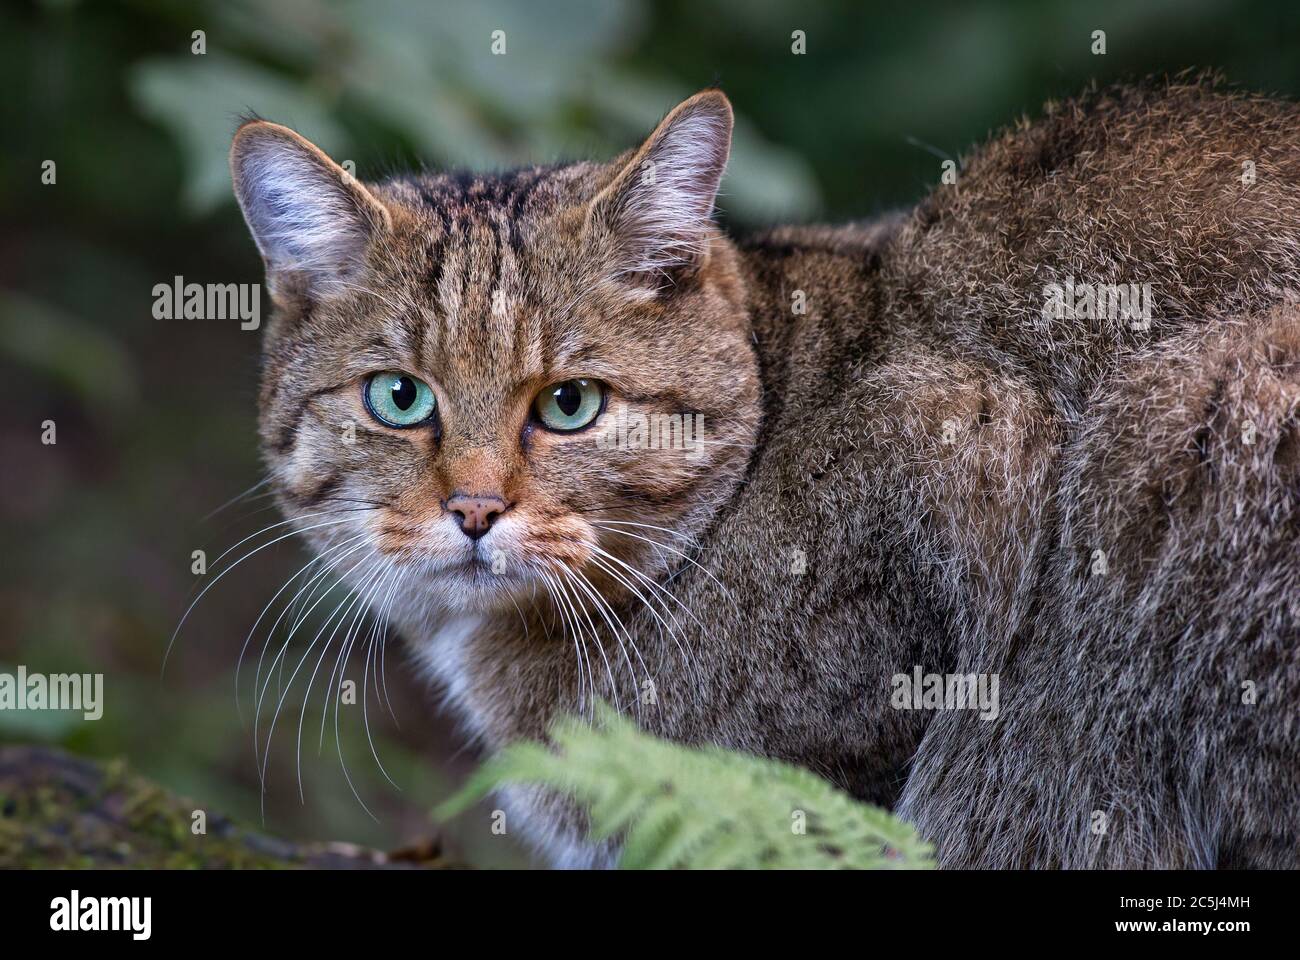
(476, 564)
(523, 551)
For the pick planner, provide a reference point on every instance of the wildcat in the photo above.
(912, 457)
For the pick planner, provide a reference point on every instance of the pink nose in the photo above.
(476, 513)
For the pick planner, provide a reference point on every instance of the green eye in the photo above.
(570, 405)
(398, 400)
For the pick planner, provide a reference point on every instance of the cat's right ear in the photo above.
(311, 219)
(655, 217)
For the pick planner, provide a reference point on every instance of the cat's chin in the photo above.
(475, 595)
(471, 586)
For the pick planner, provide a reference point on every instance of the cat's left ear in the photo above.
(655, 216)
(311, 219)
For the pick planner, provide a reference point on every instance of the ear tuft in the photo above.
(657, 212)
(307, 214)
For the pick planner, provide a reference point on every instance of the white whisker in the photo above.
(584, 584)
(679, 553)
(248, 639)
(283, 649)
(235, 499)
(580, 607)
(217, 579)
(559, 605)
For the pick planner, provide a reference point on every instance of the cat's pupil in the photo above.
(403, 393)
(568, 398)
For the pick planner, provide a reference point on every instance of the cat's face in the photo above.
(478, 389)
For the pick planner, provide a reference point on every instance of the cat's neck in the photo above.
(794, 272)
(810, 292)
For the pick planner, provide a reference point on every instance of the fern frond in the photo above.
(699, 807)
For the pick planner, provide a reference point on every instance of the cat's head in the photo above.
(488, 385)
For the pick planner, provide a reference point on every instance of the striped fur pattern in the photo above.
(906, 466)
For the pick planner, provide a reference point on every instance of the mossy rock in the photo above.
(59, 810)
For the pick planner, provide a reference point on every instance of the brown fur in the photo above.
(945, 461)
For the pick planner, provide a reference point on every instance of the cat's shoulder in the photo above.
(854, 239)
(1157, 139)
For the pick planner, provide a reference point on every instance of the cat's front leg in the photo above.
(554, 829)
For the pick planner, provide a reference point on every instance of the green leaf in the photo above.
(200, 100)
(676, 806)
(68, 351)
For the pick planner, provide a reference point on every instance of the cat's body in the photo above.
(912, 468)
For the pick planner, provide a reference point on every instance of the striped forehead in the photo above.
(484, 324)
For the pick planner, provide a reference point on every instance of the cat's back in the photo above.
(1187, 192)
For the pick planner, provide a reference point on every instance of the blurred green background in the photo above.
(155, 419)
